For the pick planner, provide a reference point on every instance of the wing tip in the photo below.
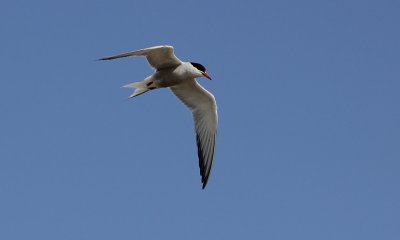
(204, 183)
(204, 172)
(201, 159)
(106, 58)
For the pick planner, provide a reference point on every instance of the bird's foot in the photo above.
(151, 85)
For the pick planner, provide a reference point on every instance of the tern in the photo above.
(172, 73)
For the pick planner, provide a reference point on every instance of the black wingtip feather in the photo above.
(204, 173)
(204, 177)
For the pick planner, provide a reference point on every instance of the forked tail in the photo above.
(140, 87)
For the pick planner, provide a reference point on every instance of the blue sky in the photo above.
(308, 138)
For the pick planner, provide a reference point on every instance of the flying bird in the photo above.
(172, 73)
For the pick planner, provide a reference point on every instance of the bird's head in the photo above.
(200, 69)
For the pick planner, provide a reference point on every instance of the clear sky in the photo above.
(309, 121)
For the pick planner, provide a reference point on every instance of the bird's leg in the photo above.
(151, 85)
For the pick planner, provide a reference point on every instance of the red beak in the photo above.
(206, 75)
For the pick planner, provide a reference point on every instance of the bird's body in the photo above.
(170, 72)
(169, 77)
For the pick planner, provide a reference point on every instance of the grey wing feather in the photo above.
(204, 109)
(159, 57)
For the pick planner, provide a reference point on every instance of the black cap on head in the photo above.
(198, 66)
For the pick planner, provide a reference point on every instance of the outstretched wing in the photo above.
(159, 57)
(203, 106)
